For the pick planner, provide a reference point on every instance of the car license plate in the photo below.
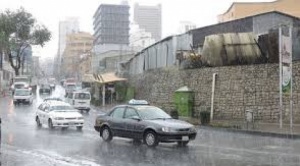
(185, 138)
(71, 124)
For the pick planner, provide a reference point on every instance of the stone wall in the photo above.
(238, 88)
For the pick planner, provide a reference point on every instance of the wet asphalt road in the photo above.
(23, 144)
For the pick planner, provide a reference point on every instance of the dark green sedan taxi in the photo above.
(142, 122)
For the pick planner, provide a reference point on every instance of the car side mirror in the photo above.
(136, 118)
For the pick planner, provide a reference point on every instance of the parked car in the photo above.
(80, 100)
(58, 114)
(45, 89)
(144, 122)
(23, 96)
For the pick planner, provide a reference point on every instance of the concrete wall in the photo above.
(240, 10)
(238, 88)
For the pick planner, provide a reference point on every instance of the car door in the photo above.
(46, 114)
(117, 121)
(133, 123)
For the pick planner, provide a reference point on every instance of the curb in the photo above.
(254, 132)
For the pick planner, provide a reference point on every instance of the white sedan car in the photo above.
(58, 114)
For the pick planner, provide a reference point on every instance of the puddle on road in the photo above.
(51, 158)
(58, 159)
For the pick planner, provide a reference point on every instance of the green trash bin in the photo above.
(184, 101)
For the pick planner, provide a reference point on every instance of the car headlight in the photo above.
(167, 129)
(59, 118)
(80, 118)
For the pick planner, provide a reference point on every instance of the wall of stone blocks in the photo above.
(238, 88)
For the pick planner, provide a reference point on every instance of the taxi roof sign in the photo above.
(138, 102)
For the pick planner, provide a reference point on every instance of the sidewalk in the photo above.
(263, 129)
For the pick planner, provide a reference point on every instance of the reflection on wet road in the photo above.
(23, 143)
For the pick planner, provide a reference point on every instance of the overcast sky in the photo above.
(49, 13)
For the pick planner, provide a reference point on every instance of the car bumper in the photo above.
(82, 107)
(65, 123)
(21, 100)
(174, 137)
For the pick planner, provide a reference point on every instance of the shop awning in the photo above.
(107, 78)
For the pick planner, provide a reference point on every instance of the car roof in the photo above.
(136, 106)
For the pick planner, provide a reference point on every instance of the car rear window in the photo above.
(19, 86)
(22, 93)
(82, 96)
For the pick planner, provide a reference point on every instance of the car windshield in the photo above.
(150, 113)
(22, 93)
(82, 96)
(62, 108)
(19, 86)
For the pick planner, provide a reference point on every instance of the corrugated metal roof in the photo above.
(230, 48)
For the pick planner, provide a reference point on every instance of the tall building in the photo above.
(149, 18)
(35, 66)
(66, 27)
(243, 9)
(69, 26)
(77, 45)
(139, 38)
(111, 24)
(27, 61)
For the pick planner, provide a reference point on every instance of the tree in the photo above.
(19, 31)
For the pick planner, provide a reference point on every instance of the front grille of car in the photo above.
(70, 118)
(185, 129)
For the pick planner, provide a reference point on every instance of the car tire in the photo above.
(50, 124)
(150, 139)
(79, 128)
(182, 143)
(38, 122)
(106, 134)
